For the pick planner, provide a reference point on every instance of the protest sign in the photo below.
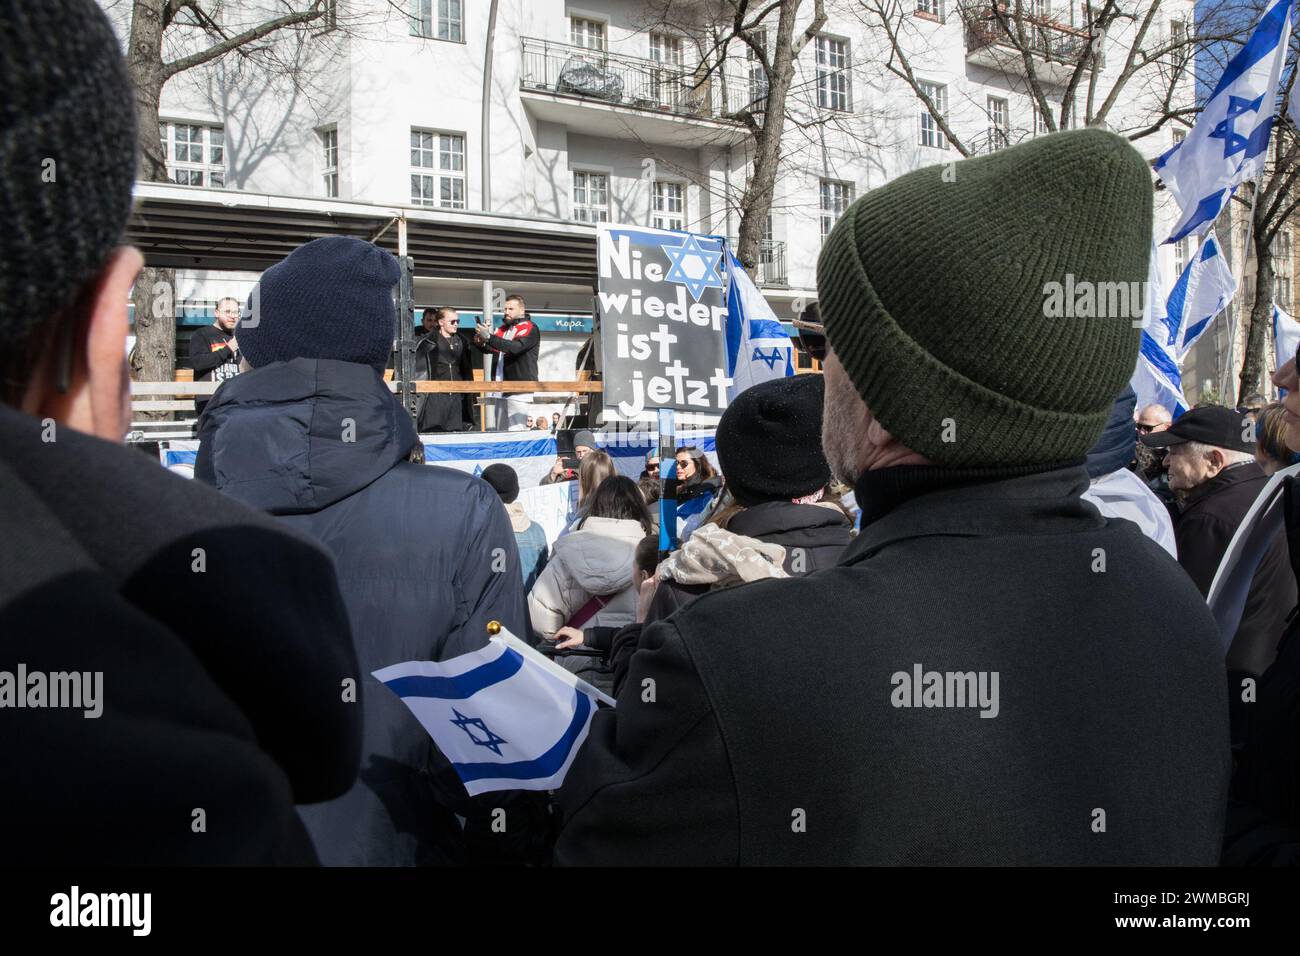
(663, 315)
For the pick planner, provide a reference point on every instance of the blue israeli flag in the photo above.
(504, 716)
(758, 348)
(1229, 143)
(1204, 290)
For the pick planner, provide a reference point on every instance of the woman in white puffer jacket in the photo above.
(589, 581)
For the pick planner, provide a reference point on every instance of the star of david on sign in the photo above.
(1234, 142)
(493, 742)
(693, 266)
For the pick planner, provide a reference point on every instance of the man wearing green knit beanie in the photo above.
(976, 682)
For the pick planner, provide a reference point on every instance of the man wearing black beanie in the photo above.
(172, 663)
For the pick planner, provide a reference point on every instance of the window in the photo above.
(1282, 266)
(836, 197)
(196, 155)
(1179, 136)
(832, 74)
(930, 8)
(665, 84)
(1181, 249)
(437, 20)
(1178, 42)
(588, 34)
(437, 169)
(930, 135)
(999, 132)
(757, 75)
(590, 197)
(669, 205)
(1040, 123)
(329, 141)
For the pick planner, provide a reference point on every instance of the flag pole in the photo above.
(667, 483)
(1233, 322)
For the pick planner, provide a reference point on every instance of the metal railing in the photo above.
(771, 263)
(1045, 38)
(623, 80)
(995, 138)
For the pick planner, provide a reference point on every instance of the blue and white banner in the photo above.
(1204, 289)
(1229, 143)
(758, 347)
(504, 716)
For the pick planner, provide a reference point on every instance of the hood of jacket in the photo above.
(295, 437)
(599, 555)
(1118, 442)
(794, 525)
(719, 558)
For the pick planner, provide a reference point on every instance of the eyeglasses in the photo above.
(685, 463)
(812, 339)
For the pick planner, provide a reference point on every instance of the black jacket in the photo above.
(1263, 826)
(425, 555)
(1203, 529)
(519, 353)
(223, 645)
(814, 537)
(773, 737)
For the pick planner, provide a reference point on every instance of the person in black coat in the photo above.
(173, 665)
(976, 681)
(443, 356)
(769, 450)
(1263, 824)
(425, 555)
(1212, 467)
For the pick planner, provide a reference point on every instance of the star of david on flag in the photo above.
(1229, 143)
(504, 716)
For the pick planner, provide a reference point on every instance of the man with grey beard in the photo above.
(976, 681)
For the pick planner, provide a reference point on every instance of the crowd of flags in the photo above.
(1227, 147)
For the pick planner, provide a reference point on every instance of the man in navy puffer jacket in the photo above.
(425, 555)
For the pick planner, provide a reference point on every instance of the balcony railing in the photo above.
(621, 80)
(995, 138)
(771, 263)
(1044, 38)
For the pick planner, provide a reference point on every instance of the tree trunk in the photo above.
(1261, 317)
(756, 202)
(154, 356)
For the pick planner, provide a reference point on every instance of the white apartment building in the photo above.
(597, 113)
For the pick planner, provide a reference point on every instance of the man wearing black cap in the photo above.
(1212, 469)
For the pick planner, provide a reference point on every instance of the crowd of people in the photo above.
(964, 499)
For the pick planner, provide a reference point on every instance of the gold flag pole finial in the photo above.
(494, 627)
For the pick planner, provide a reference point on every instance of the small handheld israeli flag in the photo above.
(505, 716)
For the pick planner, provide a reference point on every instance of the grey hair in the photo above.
(1230, 455)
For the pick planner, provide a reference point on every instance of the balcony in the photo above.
(1056, 47)
(611, 94)
(771, 263)
(995, 138)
